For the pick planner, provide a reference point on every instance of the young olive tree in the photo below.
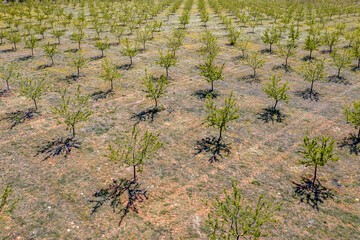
(57, 33)
(31, 42)
(13, 37)
(166, 61)
(287, 50)
(184, 19)
(9, 73)
(134, 150)
(110, 72)
(72, 110)
(210, 48)
(78, 61)
(78, 37)
(317, 152)
(255, 61)
(102, 45)
(33, 88)
(143, 36)
(154, 88)
(211, 72)
(312, 71)
(340, 60)
(330, 39)
(118, 32)
(233, 35)
(50, 50)
(129, 51)
(355, 50)
(220, 117)
(312, 41)
(277, 92)
(352, 115)
(271, 36)
(235, 218)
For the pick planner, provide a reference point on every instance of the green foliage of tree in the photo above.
(235, 218)
(352, 115)
(210, 48)
(50, 50)
(155, 88)
(255, 61)
(340, 60)
(78, 61)
(287, 50)
(204, 16)
(166, 61)
(31, 42)
(39, 29)
(143, 36)
(330, 39)
(117, 31)
(211, 72)
(110, 72)
(271, 36)
(134, 150)
(355, 50)
(312, 41)
(276, 91)
(102, 45)
(184, 18)
(13, 37)
(219, 117)
(130, 51)
(317, 152)
(312, 71)
(3, 34)
(78, 37)
(9, 73)
(57, 33)
(233, 35)
(72, 109)
(33, 88)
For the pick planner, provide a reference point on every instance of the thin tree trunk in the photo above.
(156, 103)
(32, 52)
(52, 60)
(36, 107)
(338, 75)
(78, 72)
(134, 171)
(220, 135)
(73, 131)
(254, 73)
(212, 86)
(131, 61)
(315, 175)
(7, 85)
(358, 63)
(167, 73)
(276, 102)
(111, 86)
(311, 88)
(310, 54)
(359, 134)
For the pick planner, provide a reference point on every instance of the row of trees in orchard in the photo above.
(127, 27)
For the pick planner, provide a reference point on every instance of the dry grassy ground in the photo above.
(55, 194)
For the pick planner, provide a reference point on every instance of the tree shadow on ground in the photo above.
(282, 66)
(307, 94)
(122, 196)
(308, 58)
(24, 58)
(101, 95)
(313, 195)
(250, 79)
(213, 146)
(72, 50)
(201, 94)
(124, 67)
(96, 58)
(270, 114)
(7, 50)
(21, 116)
(58, 146)
(147, 114)
(5, 93)
(70, 78)
(352, 142)
(43, 66)
(336, 79)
